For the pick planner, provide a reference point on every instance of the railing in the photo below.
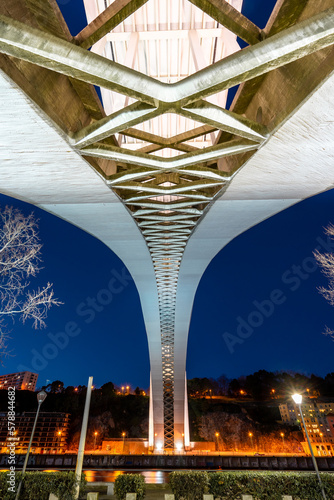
(108, 461)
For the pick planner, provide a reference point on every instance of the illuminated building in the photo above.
(319, 420)
(24, 381)
(50, 434)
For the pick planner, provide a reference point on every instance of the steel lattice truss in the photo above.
(167, 194)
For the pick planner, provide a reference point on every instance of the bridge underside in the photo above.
(166, 216)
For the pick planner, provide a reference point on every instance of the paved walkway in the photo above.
(153, 491)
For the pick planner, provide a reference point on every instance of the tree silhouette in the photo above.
(20, 260)
(326, 263)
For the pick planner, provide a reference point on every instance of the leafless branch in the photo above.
(329, 331)
(326, 264)
(20, 260)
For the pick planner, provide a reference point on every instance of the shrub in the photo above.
(41, 484)
(63, 485)
(189, 485)
(270, 485)
(36, 485)
(4, 485)
(130, 483)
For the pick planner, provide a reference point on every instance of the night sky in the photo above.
(272, 261)
(264, 284)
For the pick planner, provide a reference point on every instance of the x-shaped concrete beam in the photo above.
(184, 97)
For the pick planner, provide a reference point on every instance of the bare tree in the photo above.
(20, 259)
(326, 263)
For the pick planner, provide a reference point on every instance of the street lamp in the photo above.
(123, 436)
(217, 441)
(40, 398)
(59, 439)
(95, 434)
(250, 434)
(282, 436)
(298, 400)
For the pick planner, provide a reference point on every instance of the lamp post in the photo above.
(250, 434)
(59, 439)
(95, 434)
(217, 441)
(82, 442)
(40, 398)
(298, 400)
(123, 436)
(282, 436)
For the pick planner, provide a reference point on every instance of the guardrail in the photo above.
(68, 461)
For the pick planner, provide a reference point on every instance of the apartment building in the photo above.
(50, 434)
(25, 381)
(319, 420)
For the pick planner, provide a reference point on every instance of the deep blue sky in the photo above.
(113, 345)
